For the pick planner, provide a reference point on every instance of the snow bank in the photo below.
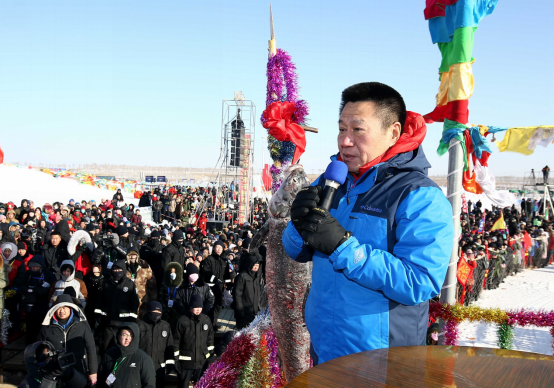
(530, 289)
(22, 183)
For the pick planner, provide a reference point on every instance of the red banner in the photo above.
(266, 177)
(244, 184)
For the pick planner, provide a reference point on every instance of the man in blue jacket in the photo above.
(382, 251)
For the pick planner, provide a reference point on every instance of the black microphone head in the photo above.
(336, 171)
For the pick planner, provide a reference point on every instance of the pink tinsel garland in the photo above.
(225, 372)
(451, 333)
(273, 349)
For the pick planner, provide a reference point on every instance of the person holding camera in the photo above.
(125, 365)
(65, 326)
(48, 368)
(118, 302)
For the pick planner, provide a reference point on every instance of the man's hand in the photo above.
(92, 379)
(322, 231)
(306, 200)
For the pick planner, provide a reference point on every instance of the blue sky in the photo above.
(142, 82)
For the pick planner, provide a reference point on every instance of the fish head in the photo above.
(294, 180)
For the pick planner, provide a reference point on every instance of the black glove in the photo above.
(306, 200)
(322, 231)
(170, 370)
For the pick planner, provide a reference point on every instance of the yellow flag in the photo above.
(499, 224)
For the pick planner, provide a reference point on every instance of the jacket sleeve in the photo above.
(147, 373)
(210, 340)
(169, 352)
(84, 293)
(208, 272)
(294, 245)
(237, 294)
(416, 269)
(133, 305)
(177, 340)
(91, 351)
(103, 371)
(209, 299)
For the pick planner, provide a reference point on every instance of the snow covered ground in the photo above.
(531, 289)
(22, 183)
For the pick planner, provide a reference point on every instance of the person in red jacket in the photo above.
(136, 218)
(202, 222)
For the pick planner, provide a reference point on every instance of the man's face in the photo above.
(125, 338)
(66, 273)
(55, 240)
(196, 311)
(63, 312)
(255, 267)
(218, 249)
(361, 137)
(21, 252)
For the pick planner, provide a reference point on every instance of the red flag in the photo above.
(266, 177)
(1, 156)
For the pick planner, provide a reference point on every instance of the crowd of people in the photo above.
(129, 301)
(488, 254)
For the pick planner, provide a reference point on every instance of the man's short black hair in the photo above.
(390, 106)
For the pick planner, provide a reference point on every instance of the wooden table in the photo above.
(432, 366)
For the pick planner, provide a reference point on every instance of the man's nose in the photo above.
(346, 141)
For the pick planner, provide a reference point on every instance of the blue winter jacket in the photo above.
(373, 291)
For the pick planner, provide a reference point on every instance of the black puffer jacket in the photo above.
(194, 340)
(76, 336)
(135, 368)
(117, 302)
(168, 292)
(174, 253)
(247, 290)
(187, 290)
(54, 257)
(156, 340)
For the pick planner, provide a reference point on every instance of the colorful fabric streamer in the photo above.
(524, 140)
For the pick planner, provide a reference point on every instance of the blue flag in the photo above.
(481, 225)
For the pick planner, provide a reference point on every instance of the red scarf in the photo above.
(411, 138)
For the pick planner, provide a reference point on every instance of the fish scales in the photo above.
(288, 281)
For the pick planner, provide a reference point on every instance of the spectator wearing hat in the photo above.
(175, 252)
(125, 364)
(140, 272)
(68, 280)
(117, 303)
(65, 326)
(194, 342)
(126, 241)
(156, 340)
(218, 274)
(193, 285)
(173, 278)
(93, 282)
(247, 289)
(33, 293)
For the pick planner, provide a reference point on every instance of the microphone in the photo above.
(335, 175)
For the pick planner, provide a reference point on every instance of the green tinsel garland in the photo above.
(245, 378)
(505, 335)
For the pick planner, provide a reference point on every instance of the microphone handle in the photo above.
(327, 197)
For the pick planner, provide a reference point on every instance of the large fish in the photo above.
(287, 281)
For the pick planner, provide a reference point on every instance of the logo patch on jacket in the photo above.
(125, 289)
(359, 255)
(164, 333)
(133, 365)
(205, 326)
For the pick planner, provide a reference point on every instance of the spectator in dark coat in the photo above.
(173, 278)
(193, 285)
(125, 364)
(66, 327)
(156, 340)
(247, 289)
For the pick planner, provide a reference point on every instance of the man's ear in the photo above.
(395, 132)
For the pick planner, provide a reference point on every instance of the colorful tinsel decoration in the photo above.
(505, 333)
(282, 85)
(506, 320)
(250, 361)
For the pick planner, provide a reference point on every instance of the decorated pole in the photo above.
(453, 27)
